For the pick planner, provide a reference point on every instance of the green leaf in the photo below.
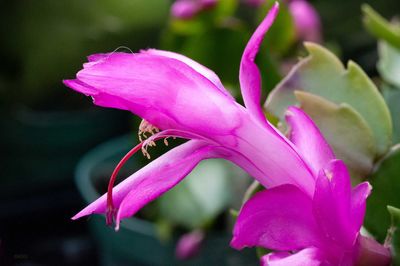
(321, 73)
(200, 197)
(226, 8)
(389, 63)
(346, 131)
(393, 236)
(386, 186)
(392, 98)
(380, 27)
(394, 215)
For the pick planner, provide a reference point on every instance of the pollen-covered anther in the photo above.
(144, 128)
(146, 153)
(166, 141)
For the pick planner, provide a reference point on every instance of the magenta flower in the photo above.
(320, 230)
(189, 245)
(306, 20)
(312, 204)
(184, 99)
(186, 9)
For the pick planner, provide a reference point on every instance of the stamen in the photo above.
(144, 128)
(145, 153)
(166, 141)
(110, 214)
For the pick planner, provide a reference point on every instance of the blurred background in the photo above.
(58, 150)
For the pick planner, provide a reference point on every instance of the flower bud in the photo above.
(189, 245)
(306, 20)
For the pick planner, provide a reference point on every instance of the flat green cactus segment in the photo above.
(321, 73)
(389, 63)
(395, 215)
(379, 27)
(394, 233)
(392, 98)
(346, 131)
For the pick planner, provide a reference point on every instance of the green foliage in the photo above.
(380, 27)
(388, 35)
(347, 94)
(392, 98)
(386, 186)
(200, 197)
(389, 63)
(394, 233)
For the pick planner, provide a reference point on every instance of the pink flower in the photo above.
(309, 204)
(189, 245)
(184, 99)
(186, 9)
(306, 20)
(320, 230)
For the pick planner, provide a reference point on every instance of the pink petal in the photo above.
(270, 158)
(152, 180)
(189, 245)
(249, 75)
(359, 197)
(279, 218)
(305, 257)
(331, 204)
(165, 91)
(185, 9)
(207, 73)
(371, 252)
(308, 139)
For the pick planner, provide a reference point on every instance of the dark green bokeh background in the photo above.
(45, 127)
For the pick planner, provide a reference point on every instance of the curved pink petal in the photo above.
(332, 204)
(279, 218)
(165, 91)
(152, 180)
(306, 257)
(359, 197)
(308, 139)
(209, 74)
(249, 75)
